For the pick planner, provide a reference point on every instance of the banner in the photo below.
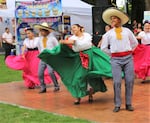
(67, 27)
(38, 9)
(146, 15)
(36, 12)
(3, 4)
(26, 22)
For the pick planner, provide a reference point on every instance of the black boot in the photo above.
(116, 109)
(129, 108)
(42, 90)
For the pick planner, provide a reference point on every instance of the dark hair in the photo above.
(146, 21)
(78, 25)
(6, 28)
(29, 28)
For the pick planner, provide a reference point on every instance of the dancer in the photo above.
(46, 41)
(80, 64)
(121, 42)
(142, 54)
(28, 61)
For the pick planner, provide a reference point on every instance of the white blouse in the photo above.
(81, 43)
(145, 37)
(31, 43)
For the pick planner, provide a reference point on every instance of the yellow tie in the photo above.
(118, 33)
(44, 41)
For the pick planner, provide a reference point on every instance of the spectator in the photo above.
(7, 42)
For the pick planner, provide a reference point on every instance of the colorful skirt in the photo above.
(78, 69)
(142, 61)
(29, 66)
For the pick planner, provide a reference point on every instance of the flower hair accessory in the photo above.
(28, 28)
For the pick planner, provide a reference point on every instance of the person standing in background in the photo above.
(122, 42)
(107, 28)
(7, 42)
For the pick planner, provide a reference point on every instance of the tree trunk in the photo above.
(147, 5)
(101, 2)
(138, 7)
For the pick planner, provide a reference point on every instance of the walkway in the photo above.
(62, 102)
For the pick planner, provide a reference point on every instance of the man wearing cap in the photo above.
(122, 42)
(46, 41)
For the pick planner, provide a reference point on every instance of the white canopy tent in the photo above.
(79, 12)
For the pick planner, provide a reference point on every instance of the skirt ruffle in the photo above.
(74, 75)
(142, 61)
(29, 66)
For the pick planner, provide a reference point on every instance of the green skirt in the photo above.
(74, 74)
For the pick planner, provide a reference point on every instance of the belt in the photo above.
(121, 54)
(147, 44)
(31, 49)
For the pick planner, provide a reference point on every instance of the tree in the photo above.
(137, 11)
(147, 5)
(98, 23)
(138, 8)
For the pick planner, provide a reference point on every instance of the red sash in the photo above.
(121, 54)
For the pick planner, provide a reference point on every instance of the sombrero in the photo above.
(108, 13)
(44, 26)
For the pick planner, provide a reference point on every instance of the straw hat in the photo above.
(108, 13)
(44, 26)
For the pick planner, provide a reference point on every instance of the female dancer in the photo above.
(142, 53)
(28, 61)
(81, 66)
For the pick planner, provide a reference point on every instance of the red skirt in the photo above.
(142, 61)
(29, 66)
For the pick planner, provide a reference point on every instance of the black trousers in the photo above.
(7, 47)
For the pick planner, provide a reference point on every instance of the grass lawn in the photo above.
(7, 74)
(15, 114)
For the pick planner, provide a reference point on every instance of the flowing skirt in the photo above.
(142, 61)
(29, 66)
(77, 70)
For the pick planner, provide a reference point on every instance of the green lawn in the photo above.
(7, 74)
(15, 114)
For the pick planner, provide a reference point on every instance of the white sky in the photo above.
(120, 3)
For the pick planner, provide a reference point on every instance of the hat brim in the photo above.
(108, 13)
(37, 26)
